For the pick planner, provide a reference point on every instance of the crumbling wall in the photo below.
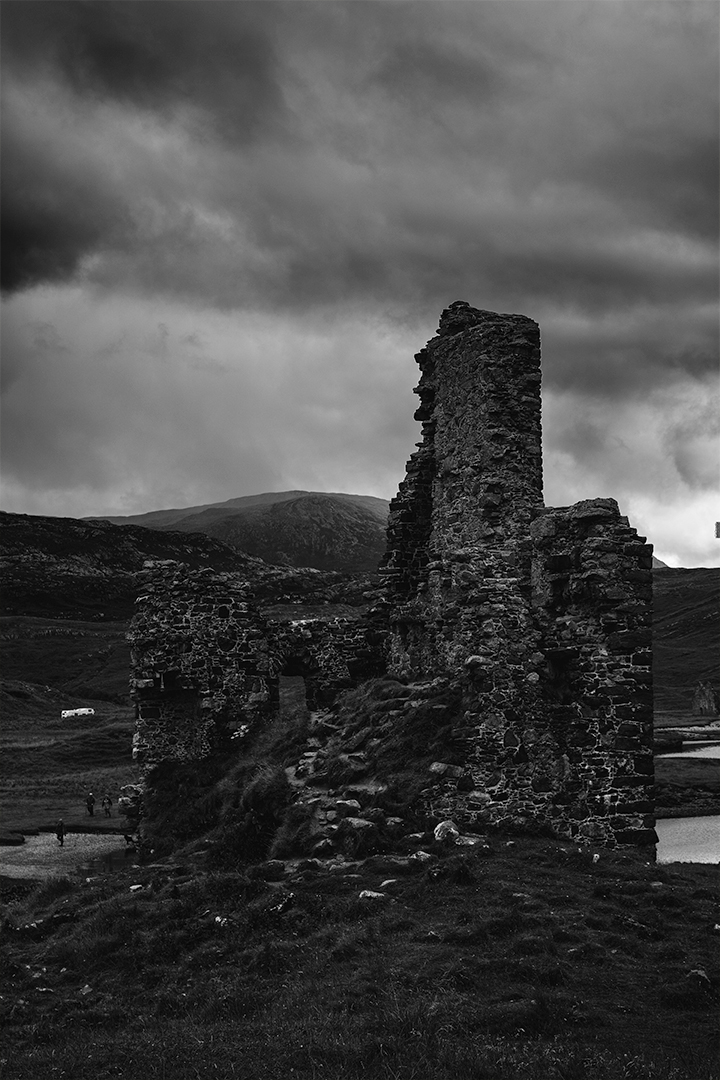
(331, 655)
(199, 659)
(542, 616)
(206, 664)
(592, 597)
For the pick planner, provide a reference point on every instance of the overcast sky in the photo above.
(228, 226)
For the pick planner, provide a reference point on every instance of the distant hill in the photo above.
(67, 568)
(327, 531)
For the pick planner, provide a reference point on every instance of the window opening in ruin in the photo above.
(223, 612)
(560, 673)
(170, 680)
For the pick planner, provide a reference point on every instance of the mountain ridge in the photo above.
(372, 503)
(325, 530)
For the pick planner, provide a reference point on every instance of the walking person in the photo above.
(90, 803)
(107, 805)
(60, 832)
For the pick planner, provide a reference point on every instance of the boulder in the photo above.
(358, 823)
(324, 848)
(423, 857)
(446, 832)
(475, 842)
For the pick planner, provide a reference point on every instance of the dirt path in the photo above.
(42, 857)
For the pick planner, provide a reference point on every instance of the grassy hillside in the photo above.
(69, 569)
(325, 530)
(80, 659)
(528, 960)
(321, 531)
(686, 634)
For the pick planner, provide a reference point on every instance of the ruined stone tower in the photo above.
(540, 618)
(543, 616)
(459, 527)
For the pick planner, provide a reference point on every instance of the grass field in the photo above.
(48, 765)
(529, 960)
(686, 634)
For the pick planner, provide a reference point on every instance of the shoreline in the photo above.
(41, 856)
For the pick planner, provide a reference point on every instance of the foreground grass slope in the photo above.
(232, 952)
(530, 959)
(527, 959)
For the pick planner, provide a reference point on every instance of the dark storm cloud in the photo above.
(52, 213)
(211, 65)
(634, 356)
(155, 55)
(372, 153)
(672, 178)
(423, 75)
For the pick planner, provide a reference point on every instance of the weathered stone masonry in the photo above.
(198, 652)
(206, 664)
(541, 616)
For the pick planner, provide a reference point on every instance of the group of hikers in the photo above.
(106, 804)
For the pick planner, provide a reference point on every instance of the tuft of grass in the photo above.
(50, 890)
(296, 834)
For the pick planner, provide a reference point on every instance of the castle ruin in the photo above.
(541, 617)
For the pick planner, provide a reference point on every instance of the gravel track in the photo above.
(42, 857)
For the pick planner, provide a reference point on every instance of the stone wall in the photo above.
(542, 616)
(199, 658)
(206, 665)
